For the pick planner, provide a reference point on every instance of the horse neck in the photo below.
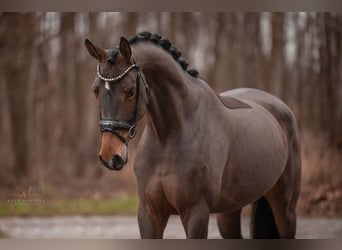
(174, 97)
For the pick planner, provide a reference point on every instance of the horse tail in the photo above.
(262, 221)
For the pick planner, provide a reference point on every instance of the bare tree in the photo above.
(130, 23)
(18, 51)
(223, 52)
(276, 60)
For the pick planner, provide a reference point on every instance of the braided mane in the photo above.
(167, 46)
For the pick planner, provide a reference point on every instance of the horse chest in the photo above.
(178, 187)
(182, 178)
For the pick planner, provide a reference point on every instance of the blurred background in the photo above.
(49, 134)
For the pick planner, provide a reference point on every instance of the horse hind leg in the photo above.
(282, 198)
(274, 215)
(263, 225)
(285, 218)
(229, 224)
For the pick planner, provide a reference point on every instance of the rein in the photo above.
(112, 125)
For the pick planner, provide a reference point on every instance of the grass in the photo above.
(122, 206)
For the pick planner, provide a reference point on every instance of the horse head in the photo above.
(116, 88)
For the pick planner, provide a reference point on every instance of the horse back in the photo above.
(277, 108)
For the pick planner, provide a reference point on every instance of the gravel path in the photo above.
(122, 227)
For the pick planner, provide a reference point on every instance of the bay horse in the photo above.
(200, 152)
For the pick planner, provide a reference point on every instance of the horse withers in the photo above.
(200, 152)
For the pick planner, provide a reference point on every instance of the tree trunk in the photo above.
(329, 60)
(252, 51)
(89, 118)
(275, 66)
(18, 44)
(131, 20)
(220, 73)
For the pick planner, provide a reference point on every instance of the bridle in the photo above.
(112, 125)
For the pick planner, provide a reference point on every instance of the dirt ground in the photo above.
(126, 227)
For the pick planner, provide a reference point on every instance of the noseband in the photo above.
(112, 125)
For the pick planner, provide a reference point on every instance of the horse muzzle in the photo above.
(113, 153)
(116, 163)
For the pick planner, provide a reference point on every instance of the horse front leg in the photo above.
(152, 221)
(195, 220)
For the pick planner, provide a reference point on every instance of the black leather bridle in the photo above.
(112, 125)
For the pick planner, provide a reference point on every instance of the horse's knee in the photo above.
(229, 224)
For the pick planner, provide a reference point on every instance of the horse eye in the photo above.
(130, 93)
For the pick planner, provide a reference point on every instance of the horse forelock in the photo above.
(161, 42)
(112, 55)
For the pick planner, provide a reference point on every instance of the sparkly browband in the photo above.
(134, 65)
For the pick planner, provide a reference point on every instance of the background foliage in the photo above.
(49, 118)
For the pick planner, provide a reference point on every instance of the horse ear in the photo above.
(125, 48)
(95, 51)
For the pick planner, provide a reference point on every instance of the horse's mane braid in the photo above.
(167, 46)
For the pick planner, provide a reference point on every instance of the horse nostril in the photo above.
(100, 158)
(118, 162)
